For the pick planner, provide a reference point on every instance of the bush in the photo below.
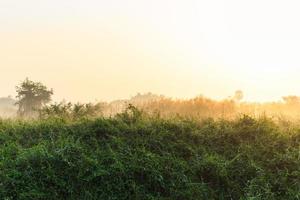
(133, 156)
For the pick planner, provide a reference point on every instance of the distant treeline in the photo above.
(34, 100)
(203, 107)
(198, 107)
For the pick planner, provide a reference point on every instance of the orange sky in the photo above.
(104, 50)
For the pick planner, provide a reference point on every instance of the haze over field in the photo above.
(149, 99)
(107, 50)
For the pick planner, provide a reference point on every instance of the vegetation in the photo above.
(137, 156)
(202, 107)
(31, 97)
(155, 148)
(70, 111)
(33, 101)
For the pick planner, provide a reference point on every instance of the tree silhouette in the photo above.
(31, 97)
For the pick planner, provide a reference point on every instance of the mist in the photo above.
(198, 107)
(111, 50)
(149, 99)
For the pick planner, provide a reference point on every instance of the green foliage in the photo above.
(133, 156)
(131, 114)
(70, 111)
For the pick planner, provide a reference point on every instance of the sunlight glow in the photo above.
(177, 48)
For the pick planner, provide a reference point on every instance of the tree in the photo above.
(238, 95)
(31, 97)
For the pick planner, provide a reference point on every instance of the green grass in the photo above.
(136, 157)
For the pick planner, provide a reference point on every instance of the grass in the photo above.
(135, 157)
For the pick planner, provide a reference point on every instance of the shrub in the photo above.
(133, 156)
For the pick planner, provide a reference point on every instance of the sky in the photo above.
(92, 50)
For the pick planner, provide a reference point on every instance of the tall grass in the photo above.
(133, 156)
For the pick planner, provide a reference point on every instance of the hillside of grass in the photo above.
(136, 157)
